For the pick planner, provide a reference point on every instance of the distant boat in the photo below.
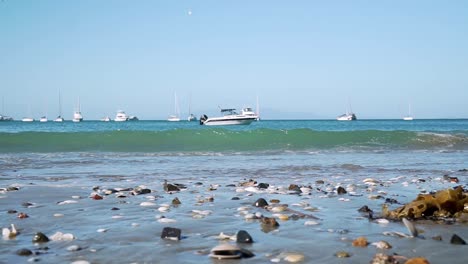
(43, 119)
(121, 116)
(409, 117)
(105, 119)
(348, 116)
(27, 119)
(77, 117)
(175, 117)
(59, 117)
(191, 116)
(230, 117)
(133, 118)
(4, 117)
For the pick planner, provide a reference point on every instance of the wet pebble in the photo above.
(59, 236)
(176, 201)
(24, 252)
(342, 254)
(382, 245)
(243, 237)
(40, 238)
(294, 257)
(261, 203)
(417, 261)
(456, 240)
(22, 215)
(340, 190)
(311, 223)
(171, 233)
(12, 211)
(360, 242)
(74, 248)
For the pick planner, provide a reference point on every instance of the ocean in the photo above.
(58, 167)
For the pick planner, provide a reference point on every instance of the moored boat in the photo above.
(230, 117)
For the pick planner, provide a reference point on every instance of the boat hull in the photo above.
(228, 121)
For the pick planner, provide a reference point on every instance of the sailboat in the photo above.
(4, 117)
(409, 117)
(59, 117)
(175, 117)
(348, 116)
(77, 117)
(191, 116)
(28, 119)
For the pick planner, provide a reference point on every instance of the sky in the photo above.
(301, 59)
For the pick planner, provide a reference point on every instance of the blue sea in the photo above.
(51, 163)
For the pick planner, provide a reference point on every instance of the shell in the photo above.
(411, 227)
(226, 251)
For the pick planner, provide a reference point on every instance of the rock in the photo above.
(246, 253)
(74, 248)
(364, 209)
(140, 190)
(59, 236)
(40, 238)
(360, 242)
(437, 238)
(391, 201)
(115, 209)
(294, 257)
(170, 187)
(12, 188)
(235, 198)
(295, 188)
(341, 190)
(263, 185)
(226, 251)
(22, 215)
(176, 201)
(243, 237)
(456, 240)
(269, 221)
(275, 201)
(417, 261)
(261, 203)
(24, 252)
(381, 258)
(342, 254)
(12, 211)
(382, 245)
(171, 233)
(96, 197)
(319, 182)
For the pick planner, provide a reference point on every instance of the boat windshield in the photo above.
(231, 111)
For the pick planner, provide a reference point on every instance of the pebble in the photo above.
(80, 262)
(417, 261)
(147, 204)
(40, 238)
(342, 254)
(360, 242)
(382, 245)
(456, 240)
(243, 237)
(58, 215)
(74, 248)
(24, 252)
(59, 236)
(311, 223)
(294, 257)
(171, 233)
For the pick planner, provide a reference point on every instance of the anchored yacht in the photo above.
(230, 117)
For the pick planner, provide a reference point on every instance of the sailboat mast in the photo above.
(60, 104)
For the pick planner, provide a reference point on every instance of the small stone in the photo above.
(283, 217)
(269, 221)
(382, 245)
(40, 238)
(96, 197)
(171, 233)
(115, 209)
(360, 242)
(294, 257)
(243, 237)
(74, 248)
(235, 198)
(263, 185)
(342, 254)
(24, 252)
(437, 238)
(22, 215)
(418, 260)
(341, 190)
(319, 182)
(456, 240)
(170, 187)
(261, 203)
(12, 188)
(275, 201)
(294, 188)
(12, 211)
(381, 258)
(176, 201)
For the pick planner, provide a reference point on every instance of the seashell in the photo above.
(411, 227)
(102, 230)
(67, 202)
(382, 221)
(311, 222)
(147, 204)
(226, 251)
(382, 245)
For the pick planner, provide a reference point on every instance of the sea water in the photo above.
(55, 162)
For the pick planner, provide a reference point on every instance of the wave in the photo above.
(223, 140)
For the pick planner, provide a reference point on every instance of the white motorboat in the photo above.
(27, 119)
(175, 117)
(43, 119)
(77, 117)
(59, 119)
(5, 118)
(346, 117)
(248, 111)
(105, 119)
(191, 116)
(121, 116)
(230, 117)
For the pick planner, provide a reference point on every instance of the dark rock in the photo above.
(115, 208)
(96, 197)
(341, 190)
(243, 237)
(421, 180)
(24, 252)
(261, 203)
(10, 189)
(457, 240)
(170, 187)
(263, 185)
(40, 238)
(235, 198)
(171, 233)
(294, 188)
(463, 170)
(26, 204)
(246, 253)
(437, 238)
(176, 201)
(139, 191)
(391, 201)
(269, 221)
(319, 182)
(95, 188)
(364, 209)
(12, 211)
(231, 185)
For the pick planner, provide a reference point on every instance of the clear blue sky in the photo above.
(304, 59)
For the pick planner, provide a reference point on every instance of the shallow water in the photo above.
(46, 179)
